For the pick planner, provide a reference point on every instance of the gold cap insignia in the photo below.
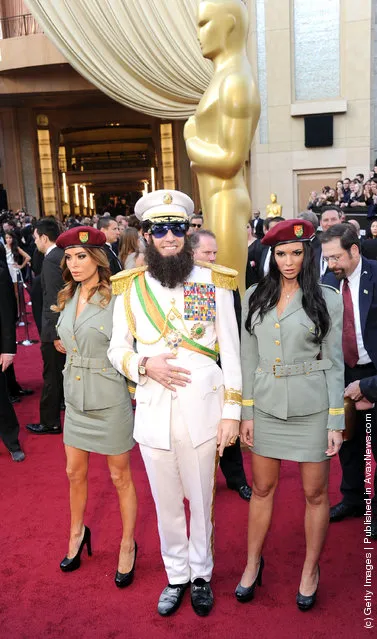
(167, 199)
(298, 230)
(83, 237)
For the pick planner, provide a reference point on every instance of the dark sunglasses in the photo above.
(196, 226)
(179, 229)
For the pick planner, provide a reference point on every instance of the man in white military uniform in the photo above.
(180, 314)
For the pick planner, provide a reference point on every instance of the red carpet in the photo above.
(38, 601)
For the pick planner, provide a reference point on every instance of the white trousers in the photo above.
(183, 471)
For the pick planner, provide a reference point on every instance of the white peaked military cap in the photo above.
(164, 206)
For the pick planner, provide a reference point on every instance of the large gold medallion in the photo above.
(197, 331)
(173, 340)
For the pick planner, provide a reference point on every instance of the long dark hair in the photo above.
(267, 294)
(14, 245)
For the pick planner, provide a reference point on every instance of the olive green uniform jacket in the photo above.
(284, 372)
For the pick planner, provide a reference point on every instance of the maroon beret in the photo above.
(85, 236)
(289, 231)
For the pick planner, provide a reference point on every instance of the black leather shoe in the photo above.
(201, 597)
(373, 532)
(304, 602)
(246, 593)
(342, 510)
(171, 598)
(123, 579)
(70, 564)
(41, 429)
(23, 392)
(243, 491)
(17, 455)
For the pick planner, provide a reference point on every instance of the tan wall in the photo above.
(275, 165)
(10, 170)
(28, 51)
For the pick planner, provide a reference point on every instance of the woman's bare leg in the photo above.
(121, 476)
(265, 473)
(315, 484)
(77, 472)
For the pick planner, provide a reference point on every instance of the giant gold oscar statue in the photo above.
(218, 137)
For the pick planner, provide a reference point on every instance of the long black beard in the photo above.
(173, 269)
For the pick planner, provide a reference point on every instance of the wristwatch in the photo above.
(141, 367)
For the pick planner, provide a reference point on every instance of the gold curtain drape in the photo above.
(142, 53)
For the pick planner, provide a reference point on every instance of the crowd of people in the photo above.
(348, 193)
(135, 309)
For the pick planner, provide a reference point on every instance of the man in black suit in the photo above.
(9, 426)
(330, 215)
(36, 294)
(204, 247)
(15, 391)
(257, 225)
(310, 216)
(110, 228)
(45, 235)
(369, 249)
(259, 255)
(356, 277)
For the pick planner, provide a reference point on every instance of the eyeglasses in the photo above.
(196, 226)
(332, 258)
(179, 229)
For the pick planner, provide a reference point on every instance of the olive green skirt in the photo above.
(301, 439)
(107, 431)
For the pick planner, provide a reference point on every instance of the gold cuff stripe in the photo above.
(126, 361)
(247, 402)
(336, 411)
(233, 396)
(131, 390)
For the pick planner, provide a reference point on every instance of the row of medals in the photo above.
(174, 338)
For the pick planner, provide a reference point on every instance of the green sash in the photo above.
(157, 317)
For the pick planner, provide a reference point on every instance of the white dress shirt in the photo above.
(354, 285)
(322, 265)
(266, 265)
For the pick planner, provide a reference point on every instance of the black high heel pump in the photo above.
(73, 563)
(306, 602)
(244, 594)
(123, 579)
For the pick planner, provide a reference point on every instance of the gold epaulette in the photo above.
(332, 288)
(122, 280)
(222, 276)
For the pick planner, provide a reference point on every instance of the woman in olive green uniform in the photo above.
(293, 385)
(98, 416)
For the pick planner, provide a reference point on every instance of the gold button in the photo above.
(74, 350)
(78, 377)
(277, 342)
(73, 337)
(278, 360)
(214, 388)
(104, 370)
(277, 325)
(101, 328)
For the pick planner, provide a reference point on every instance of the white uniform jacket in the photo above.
(214, 392)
